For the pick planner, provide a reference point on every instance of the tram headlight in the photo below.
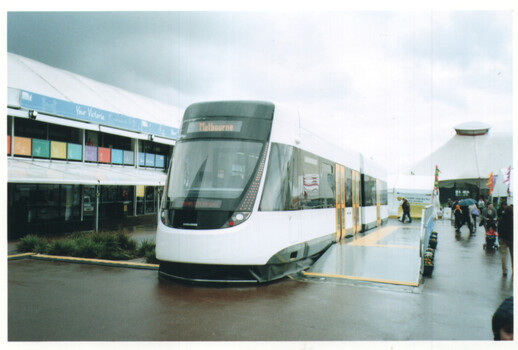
(236, 219)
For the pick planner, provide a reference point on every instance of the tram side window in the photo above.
(296, 180)
(311, 182)
(383, 194)
(348, 187)
(327, 188)
(369, 187)
(281, 190)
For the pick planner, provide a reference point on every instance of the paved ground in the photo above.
(56, 301)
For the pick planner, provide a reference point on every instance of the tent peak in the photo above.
(472, 128)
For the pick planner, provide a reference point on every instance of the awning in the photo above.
(59, 172)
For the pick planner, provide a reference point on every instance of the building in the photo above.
(467, 160)
(81, 154)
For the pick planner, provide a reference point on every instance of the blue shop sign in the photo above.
(80, 112)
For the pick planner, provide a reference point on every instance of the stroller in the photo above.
(491, 235)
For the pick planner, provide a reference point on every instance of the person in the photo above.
(502, 321)
(466, 217)
(505, 237)
(489, 217)
(481, 204)
(474, 214)
(450, 203)
(406, 211)
(500, 211)
(457, 213)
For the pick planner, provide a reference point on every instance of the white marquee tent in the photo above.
(470, 157)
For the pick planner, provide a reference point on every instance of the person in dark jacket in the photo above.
(406, 211)
(489, 217)
(457, 214)
(505, 237)
(502, 321)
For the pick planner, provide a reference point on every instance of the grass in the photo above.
(104, 245)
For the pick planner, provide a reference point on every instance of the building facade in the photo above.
(77, 165)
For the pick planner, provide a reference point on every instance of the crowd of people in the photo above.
(495, 221)
(500, 223)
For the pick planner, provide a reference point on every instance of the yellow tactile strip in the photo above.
(357, 278)
(114, 263)
(372, 238)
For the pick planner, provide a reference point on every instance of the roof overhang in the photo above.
(59, 172)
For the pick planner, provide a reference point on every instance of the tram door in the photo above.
(356, 201)
(340, 201)
(378, 203)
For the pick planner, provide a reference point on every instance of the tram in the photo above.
(251, 196)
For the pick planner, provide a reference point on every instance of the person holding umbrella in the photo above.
(466, 213)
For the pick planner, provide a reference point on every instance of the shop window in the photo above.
(48, 203)
(150, 200)
(140, 199)
(30, 128)
(64, 133)
(115, 141)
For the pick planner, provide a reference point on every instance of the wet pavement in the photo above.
(57, 301)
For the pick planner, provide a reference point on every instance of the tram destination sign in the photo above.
(214, 126)
(53, 106)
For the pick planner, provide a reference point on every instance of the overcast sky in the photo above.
(390, 84)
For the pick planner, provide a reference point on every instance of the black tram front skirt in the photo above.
(201, 273)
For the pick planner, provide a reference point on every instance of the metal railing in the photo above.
(427, 222)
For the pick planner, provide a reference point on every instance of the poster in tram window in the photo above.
(140, 191)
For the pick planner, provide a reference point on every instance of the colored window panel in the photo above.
(8, 144)
(129, 158)
(75, 151)
(104, 155)
(58, 150)
(40, 148)
(150, 159)
(141, 159)
(140, 191)
(117, 156)
(91, 153)
(159, 161)
(22, 146)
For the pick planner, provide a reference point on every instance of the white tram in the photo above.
(251, 196)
